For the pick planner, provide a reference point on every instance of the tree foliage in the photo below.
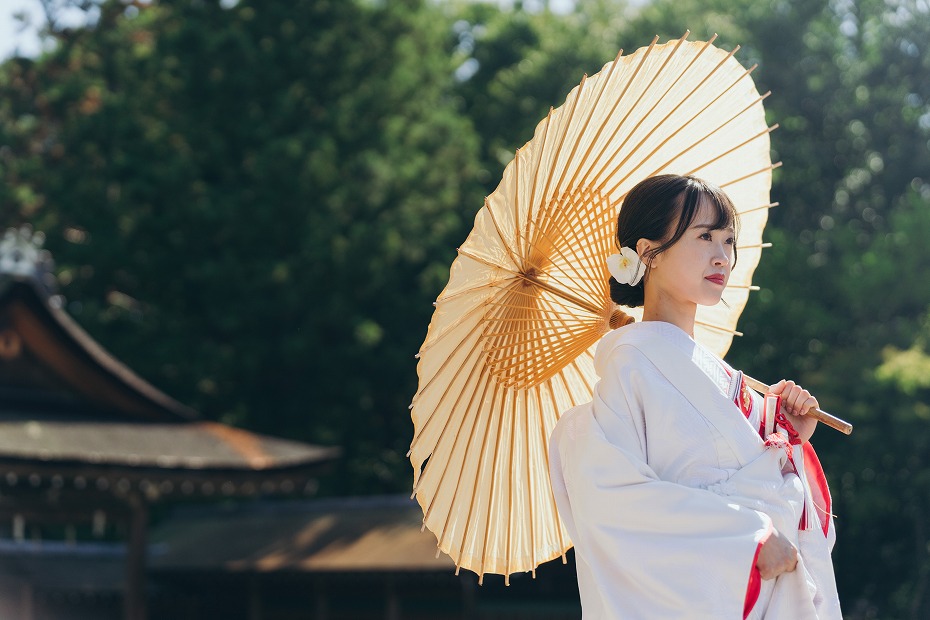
(250, 204)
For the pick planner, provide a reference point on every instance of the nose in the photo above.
(722, 255)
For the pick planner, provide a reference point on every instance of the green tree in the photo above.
(253, 205)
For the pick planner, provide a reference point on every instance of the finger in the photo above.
(809, 405)
(778, 388)
(797, 399)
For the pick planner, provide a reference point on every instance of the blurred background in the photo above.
(253, 203)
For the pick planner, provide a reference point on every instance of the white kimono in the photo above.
(668, 488)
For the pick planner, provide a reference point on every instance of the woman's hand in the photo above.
(776, 556)
(796, 402)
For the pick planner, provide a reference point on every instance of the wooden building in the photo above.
(363, 558)
(88, 450)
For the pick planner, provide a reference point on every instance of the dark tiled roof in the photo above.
(165, 445)
(371, 534)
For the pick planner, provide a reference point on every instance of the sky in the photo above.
(25, 41)
(10, 38)
(15, 38)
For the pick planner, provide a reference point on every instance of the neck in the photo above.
(658, 307)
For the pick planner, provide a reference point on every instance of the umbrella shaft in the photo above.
(821, 416)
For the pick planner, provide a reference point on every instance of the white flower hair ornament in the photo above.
(626, 267)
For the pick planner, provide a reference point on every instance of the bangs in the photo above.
(688, 204)
(699, 193)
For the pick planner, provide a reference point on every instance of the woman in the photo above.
(686, 495)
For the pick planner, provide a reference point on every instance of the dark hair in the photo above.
(651, 210)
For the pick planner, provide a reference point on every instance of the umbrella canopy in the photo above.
(510, 344)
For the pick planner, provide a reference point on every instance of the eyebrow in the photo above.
(712, 227)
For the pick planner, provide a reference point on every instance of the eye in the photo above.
(731, 241)
(706, 236)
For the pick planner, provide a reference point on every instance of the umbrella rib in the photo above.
(513, 257)
(583, 253)
(513, 434)
(644, 158)
(442, 432)
(542, 151)
(554, 314)
(529, 482)
(545, 202)
(639, 99)
(765, 207)
(719, 328)
(474, 487)
(491, 496)
(708, 135)
(534, 295)
(754, 246)
(752, 174)
(485, 262)
(516, 207)
(720, 156)
(618, 125)
(561, 139)
(455, 350)
(661, 122)
(447, 360)
(606, 80)
(458, 479)
(545, 442)
(580, 134)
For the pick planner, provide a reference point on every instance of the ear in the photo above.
(645, 245)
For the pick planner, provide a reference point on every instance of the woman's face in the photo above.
(695, 270)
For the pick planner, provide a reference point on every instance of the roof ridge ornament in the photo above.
(22, 256)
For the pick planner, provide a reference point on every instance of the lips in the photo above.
(717, 278)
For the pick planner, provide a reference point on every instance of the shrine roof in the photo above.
(370, 534)
(51, 437)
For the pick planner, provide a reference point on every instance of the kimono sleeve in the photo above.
(645, 547)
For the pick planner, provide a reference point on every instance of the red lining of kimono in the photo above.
(754, 587)
(818, 486)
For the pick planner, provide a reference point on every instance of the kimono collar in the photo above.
(681, 360)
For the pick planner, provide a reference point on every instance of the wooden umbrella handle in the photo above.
(821, 416)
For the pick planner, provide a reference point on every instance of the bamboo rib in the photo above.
(544, 430)
(474, 486)
(422, 429)
(656, 126)
(545, 196)
(707, 136)
(529, 487)
(516, 207)
(582, 165)
(751, 174)
(620, 98)
(636, 103)
(718, 328)
(749, 140)
(425, 469)
(770, 205)
(494, 479)
(541, 151)
(461, 421)
(514, 258)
